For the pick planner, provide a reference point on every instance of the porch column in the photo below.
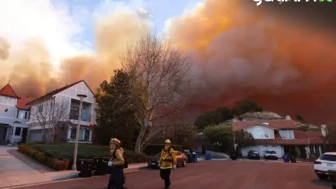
(90, 138)
(307, 151)
(69, 133)
(320, 149)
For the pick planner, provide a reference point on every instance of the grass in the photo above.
(65, 151)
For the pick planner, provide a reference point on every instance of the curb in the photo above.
(66, 178)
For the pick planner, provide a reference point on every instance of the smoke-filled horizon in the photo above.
(237, 52)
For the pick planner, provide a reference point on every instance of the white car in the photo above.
(326, 162)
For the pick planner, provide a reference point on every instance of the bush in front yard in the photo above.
(39, 156)
(60, 156)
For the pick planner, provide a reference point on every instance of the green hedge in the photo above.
(153, 149)
(52, 155)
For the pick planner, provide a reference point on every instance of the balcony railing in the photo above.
(85, 116)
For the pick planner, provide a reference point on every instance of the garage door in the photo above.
(35, 135)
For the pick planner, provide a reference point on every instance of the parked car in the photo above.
(154, 161)
(253, 154)
(270, 155)
(326, 162)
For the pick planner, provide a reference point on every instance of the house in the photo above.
(281, 136)
(14, 113)
(62, 106)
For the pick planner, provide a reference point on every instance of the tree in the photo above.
(243, 139)
(300, 119)
(330, 137)
(220, 136)
(246, 106)
(160, 76)
(215, 117)
(53, 117)
(116, 110)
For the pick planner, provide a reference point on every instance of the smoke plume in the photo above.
(237, 52)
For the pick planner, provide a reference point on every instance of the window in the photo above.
(17, 114)
(73, 134)
(26, 115)
(18, 131)
(328, 157)
(261, 133)
(86, 135)
(74, 112)
(22, 114)
(286, 134)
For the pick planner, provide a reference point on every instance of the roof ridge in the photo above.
(56, 91)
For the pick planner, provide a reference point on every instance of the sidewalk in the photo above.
(42, 178)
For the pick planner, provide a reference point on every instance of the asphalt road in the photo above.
(214, 175)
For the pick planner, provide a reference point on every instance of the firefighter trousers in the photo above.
(165, 175)
(117, 179)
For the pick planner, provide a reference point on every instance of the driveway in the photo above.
(14, 165)
(214, 175)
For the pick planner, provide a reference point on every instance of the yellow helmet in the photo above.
(115, 141)
(167, 141)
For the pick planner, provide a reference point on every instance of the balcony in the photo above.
(85, 116)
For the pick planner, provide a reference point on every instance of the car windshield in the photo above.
(255, 152)
(272, 152)
(328, 157)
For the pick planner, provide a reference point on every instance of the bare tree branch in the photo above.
(160, 75)
(50, 116)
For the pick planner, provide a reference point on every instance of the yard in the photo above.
(59, 156)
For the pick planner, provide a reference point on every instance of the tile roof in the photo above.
(7, 90)
(52, 93)
(276, 124)
(22, 103)
(301, 138)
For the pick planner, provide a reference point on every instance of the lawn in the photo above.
(65, 151)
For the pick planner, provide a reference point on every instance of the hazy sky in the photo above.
(67, 26)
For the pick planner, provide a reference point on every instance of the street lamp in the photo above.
(81, 97)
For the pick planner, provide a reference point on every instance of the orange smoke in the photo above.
(31, 72)
(237, 52)
(242, 52)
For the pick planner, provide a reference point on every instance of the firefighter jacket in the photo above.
(167, 158)
(117, 157)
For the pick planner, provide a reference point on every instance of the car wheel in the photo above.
(322, 176)
(184, 163)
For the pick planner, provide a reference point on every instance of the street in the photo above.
(214, 175)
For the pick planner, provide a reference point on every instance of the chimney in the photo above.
(323, 130)
(288, 117)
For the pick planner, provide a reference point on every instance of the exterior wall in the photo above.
(262, 148)
(68, 98)
(259, 132)
(15, 118)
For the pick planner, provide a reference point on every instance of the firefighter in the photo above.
(167, 162)
(116, 165)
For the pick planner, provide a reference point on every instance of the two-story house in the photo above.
(66, 102)
(14, 113)
(281, 136)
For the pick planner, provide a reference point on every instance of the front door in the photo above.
(24, 135)
(3, 132)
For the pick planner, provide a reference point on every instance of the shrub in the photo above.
(153, 149)
(41, 157)
(59, 157)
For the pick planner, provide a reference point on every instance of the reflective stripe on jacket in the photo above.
(167, 159)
